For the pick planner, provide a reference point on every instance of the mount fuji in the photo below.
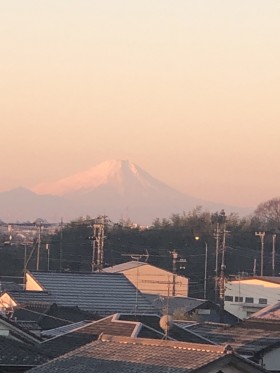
(117, 188)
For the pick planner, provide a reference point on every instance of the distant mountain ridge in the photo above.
(117, 188)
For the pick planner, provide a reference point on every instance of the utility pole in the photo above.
(221, 218)
(60, 246)
(39, 246)
(48, 254)
(174, 261)
(255, 267)
(261, 235)
(25, 262)
(222, 276)
(205, 271)
(98, 244)
(205, 267)
(273, 253)
(217, 238)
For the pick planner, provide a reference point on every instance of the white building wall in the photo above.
(247, 296)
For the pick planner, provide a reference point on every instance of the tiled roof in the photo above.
(5, 285)
(81, 334)
(122, 354)
(57, 316)
(175, 332)
(271, 312)
(126, 355)
(15, 353)
(64, 339)
(103, 293)
(124, 266)
(18, 332)
(48, 317)
(24, 297)
(273, 279)
(246, 338)
(175, 303)
(190, 305)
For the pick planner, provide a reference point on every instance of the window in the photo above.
(249, 300)
(238, 299)
(262, 301)
(228, 298)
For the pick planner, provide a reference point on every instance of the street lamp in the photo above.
(205, 268)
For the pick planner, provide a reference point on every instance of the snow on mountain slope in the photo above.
(116, 188)
(120, 175)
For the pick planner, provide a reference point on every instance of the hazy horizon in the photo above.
(186, 90)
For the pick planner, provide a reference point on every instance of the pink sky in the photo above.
(188, 90)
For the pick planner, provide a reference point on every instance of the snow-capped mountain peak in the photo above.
(119, 174)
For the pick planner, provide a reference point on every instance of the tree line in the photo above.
(71, 247)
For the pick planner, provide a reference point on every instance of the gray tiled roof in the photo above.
(83, 334)
(102, 293)
(4, 285)
(24, 297)
(174, 303)
(126, 355)
(124, 266)
(122, 354)
(15, 353)
(247, 338)
(271, 312)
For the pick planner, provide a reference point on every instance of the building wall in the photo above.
(153, 280)
(245, 297)
(31, 284)
(6, 301)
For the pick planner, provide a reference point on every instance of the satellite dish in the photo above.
(166, 323)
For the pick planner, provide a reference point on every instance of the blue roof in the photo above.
(102, 293)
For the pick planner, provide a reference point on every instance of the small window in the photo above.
(238, 299)
(262, 301)
(228, 298)
(249, 300)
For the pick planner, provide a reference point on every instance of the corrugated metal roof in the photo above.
(102, 293)
(56, 332)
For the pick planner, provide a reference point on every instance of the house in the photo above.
(256, 340)
(245, 296)
(191, 308)
(16, 357)
(126, 355)
(10, 299)
(99, 293)
(18, 348)
(35, 313)
(61, 340)
(150, 279)
(271, 312)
